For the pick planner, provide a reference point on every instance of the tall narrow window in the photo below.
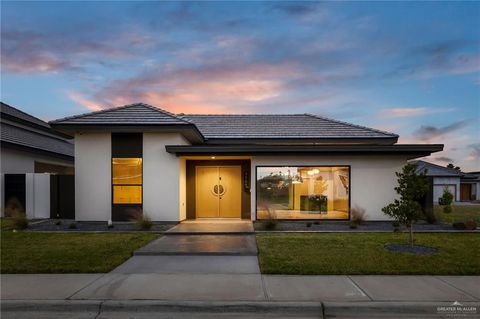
(127, 180)
(127, 176)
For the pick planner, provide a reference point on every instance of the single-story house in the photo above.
(31, 151)
(139, 158)
(464, 186)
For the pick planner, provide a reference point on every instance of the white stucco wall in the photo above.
(93, 176)
(372, 179)
(440, 182)
(21, 162)
(37, 195)
(162, 172)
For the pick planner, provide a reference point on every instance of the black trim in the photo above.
(35, 150)
(411, 150)
(297, 165)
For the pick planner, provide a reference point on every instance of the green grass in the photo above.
(458, 214)
(6, 223)
(363, 253)
(28, 252)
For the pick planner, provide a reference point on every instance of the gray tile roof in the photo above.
(17, 114)
(294, 126)
(33, 139)
(132, 114)
(436, 170)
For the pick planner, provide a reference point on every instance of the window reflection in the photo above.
(303, 192)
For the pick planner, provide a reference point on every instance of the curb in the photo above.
(147, 306)
(392, 309)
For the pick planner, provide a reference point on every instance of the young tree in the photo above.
(411, 188)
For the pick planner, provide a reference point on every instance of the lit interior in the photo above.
(303, 192)
(127, 180)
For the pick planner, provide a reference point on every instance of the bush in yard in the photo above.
(270, 222)
(357, 216)
(20, 221)
(72, 226)
(141, 218)
(411, 188)
(446, 201)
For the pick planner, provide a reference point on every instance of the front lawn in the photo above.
(363, 253)
(28, 252)
(460, 213)
(6, 223)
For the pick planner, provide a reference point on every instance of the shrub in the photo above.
(20, 221)
(13, 208)
(357, 215)
(72, 226)
(141, 218)
(270, 222)
(470, 225)
(446, 200)
(308, 224)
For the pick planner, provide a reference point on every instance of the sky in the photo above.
(412, 68)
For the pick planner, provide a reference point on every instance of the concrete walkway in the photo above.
(177, 285)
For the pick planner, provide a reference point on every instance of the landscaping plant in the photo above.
(357, 214)
(446, 201)
(411, 188)
(141, 218)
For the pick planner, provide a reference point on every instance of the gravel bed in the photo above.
(51, 225)
(415, 249)
(312, 226)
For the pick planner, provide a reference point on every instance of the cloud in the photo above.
(443, 159)
(427, 132)
(410, 112)
(34, 52)
(455, 56)
(205, 89)
(474, 152)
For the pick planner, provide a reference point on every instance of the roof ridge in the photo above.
(244, 114)
(442, 167)
(25, 113)
(351, 124)
(119, 108)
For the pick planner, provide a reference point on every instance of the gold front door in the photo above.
(218, 191)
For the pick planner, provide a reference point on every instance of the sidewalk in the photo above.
(307, 296)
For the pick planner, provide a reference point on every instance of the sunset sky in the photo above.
(409, 68)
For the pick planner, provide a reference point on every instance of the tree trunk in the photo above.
(410, 228)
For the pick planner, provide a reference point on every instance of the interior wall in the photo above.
(93, 177)
(372, 178)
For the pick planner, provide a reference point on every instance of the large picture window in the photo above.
(127, 180)
(303, 192)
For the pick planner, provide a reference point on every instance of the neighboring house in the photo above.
(138, 158)
(30, 151)
(464, 186)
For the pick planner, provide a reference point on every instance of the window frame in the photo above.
(113, 185)
(299, 165)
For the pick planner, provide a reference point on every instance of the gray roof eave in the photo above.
(411, 150)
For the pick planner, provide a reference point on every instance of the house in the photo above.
(464, 186)
(30, 151)
(139, 158)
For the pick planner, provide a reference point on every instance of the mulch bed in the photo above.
(64, 225)
(312, 226)
(415, 249)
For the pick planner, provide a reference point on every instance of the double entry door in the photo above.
(218, 191)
